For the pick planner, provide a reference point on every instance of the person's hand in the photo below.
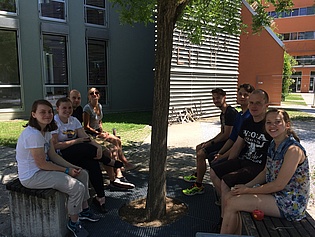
(239, 189)
(73, 172)
(216, 157)
(99, 153)
(83, 139)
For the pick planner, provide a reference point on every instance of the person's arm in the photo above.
(58, 160)
(236, 148)
(292, 158)
(82, 135)
(86, 124)
(65, 144)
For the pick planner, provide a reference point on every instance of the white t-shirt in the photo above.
(66, 131)
(30, 138)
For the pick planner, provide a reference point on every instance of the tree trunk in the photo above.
(156, 196)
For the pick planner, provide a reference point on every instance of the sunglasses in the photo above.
(94, 92)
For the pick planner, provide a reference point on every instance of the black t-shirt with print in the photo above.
(257, 141)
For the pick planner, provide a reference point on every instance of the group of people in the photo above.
(256, 161)
(56, 151)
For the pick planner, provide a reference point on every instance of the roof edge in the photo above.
(267, 28)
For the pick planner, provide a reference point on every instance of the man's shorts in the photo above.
(213, 148)
(237, 171)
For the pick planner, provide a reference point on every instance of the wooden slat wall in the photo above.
(197, 69)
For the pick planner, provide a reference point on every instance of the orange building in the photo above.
(297, 30)
(261, 58)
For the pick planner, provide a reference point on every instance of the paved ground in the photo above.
(182, 139)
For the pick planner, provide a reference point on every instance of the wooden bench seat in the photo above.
(277, 227)
(36, 212)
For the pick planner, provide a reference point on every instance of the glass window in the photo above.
(95, 12)
(295, 12)
(301, 35)
(309, 35)
(55, 66)
(97, 67)
(8, 6)
(53, 9)
(10, 88)
(303, 11)
(310, 11)
(294, 36)
(286, 36)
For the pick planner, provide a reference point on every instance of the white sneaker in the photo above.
(122, 183)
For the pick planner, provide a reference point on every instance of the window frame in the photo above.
(52, 18)
(86, 6)
(103, 88)
(52, 98)
(20, 84)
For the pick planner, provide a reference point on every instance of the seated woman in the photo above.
(282, 188)
(92, 120)
(40, 167)
(76, 147)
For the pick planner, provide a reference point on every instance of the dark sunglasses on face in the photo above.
(94, 92)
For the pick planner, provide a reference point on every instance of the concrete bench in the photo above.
(277, 227)
(37, 212)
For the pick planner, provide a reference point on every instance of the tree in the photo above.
(197, 18)
(288, 69)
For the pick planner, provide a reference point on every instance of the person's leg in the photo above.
(246, 202)
(201, 165)
(219, 170)
(65, 184)
(120, 154)
(86, 160)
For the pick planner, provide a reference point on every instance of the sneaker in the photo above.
(77, 229)
(190, 178)
(193, 190)
(88, 216)
(122, 183)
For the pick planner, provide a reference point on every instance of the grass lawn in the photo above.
(295, 99)
(132, 127)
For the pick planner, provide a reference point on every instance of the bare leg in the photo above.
(201, 165)
(216, 181)
(246, 202)
(224, 191)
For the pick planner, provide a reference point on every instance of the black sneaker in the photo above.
(122, 183)
(77, 229)
(88, 216)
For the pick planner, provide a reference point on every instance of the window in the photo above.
(97, 67)
(303, 11)
(286, 36)
(10, 88)
(95, 12)
(53, 9)
(55, 67)
(8, 6)
(295, 12)
(310, 11)
(293, 36)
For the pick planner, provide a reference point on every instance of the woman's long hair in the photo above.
(33, 121)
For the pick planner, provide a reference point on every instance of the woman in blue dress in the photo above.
(282, 188)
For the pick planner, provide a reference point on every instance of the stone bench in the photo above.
(277, 227)
(37, 212)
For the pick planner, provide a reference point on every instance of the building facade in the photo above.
(49, 47)
(297, 31)
(261, 58)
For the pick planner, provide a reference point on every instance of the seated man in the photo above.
(212, 146)
(240, 168)
(75, 97)
(243, 93)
